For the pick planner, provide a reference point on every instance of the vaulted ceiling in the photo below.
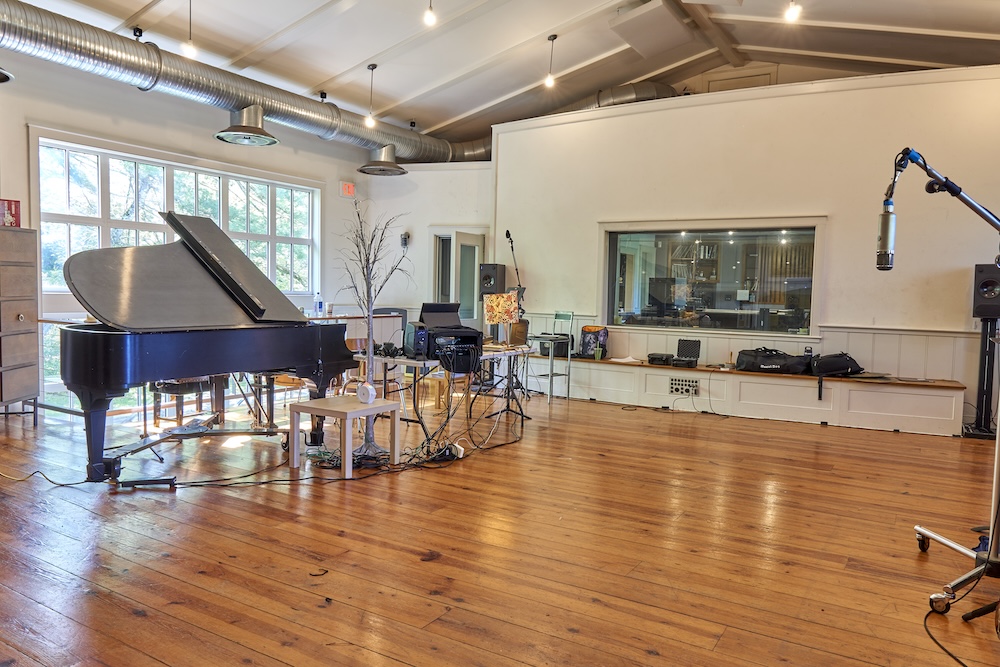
(484, 61)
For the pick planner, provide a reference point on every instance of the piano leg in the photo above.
(95, 416)
(219, 383)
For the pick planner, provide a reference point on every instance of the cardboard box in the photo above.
(10, 212)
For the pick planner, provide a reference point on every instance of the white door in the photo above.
(467, 254)
(456, 273)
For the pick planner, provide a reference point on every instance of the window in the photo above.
(98, 198)
(752, 279)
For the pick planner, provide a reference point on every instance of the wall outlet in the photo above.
(683, 386)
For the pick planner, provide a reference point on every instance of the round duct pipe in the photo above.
(42, 34)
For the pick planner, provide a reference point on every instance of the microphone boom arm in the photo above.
(938, 183)
(520, 290)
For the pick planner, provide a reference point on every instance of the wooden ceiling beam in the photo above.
(715, 33)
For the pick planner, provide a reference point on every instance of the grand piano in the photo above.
(194, 307)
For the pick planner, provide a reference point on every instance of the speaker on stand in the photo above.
(986, 306)
(492, 278)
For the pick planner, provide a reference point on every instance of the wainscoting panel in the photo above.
(918, 355)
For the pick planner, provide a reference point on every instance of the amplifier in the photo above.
(415, 340)
(439, 338)
(562, 347)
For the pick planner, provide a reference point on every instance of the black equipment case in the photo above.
(660, 358)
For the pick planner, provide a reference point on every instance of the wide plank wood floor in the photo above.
(601, 535)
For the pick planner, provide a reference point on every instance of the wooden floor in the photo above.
(604, 536)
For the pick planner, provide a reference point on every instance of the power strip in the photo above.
(683, 386)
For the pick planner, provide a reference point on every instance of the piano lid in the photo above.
(203, 281)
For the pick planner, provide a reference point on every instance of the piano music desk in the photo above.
(346, 409)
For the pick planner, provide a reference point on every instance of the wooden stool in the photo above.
(440, 383)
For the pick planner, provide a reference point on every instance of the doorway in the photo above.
(456, 273)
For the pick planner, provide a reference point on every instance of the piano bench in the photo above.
(178, 389)
(346, 409)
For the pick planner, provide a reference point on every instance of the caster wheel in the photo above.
(940, 605)
(923, 543)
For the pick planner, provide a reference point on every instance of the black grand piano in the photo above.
(194, 307)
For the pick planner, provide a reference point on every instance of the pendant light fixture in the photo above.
(370, 119)
(550, 80)
(793, 12)
(247, 128)
(188, 48)
(5, 76)
(429, 17)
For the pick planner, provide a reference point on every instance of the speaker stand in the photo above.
(983, 426)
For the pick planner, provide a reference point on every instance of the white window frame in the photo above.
(59, 300)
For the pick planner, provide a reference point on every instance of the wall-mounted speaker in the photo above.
(492, 278)
(986, 291)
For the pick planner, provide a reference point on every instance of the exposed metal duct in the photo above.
(36, 32)
(625, 94)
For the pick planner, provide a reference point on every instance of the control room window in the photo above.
(739, 279)
(95, 198)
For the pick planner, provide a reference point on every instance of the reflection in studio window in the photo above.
(743, 279)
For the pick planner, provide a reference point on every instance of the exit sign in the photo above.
(347, 189)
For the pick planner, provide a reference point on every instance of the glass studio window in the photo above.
(742, 279)
(96, 198)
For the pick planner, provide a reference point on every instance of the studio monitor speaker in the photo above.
(986, 291)
(492, 278)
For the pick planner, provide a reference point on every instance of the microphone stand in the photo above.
(520, 314)
(987, 562)
(520, 290)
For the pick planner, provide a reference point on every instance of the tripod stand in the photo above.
(511, 385)
(987, 563)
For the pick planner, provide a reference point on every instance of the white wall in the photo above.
(435, 199)
(822, 149)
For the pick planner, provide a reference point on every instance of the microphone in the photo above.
(885, 248)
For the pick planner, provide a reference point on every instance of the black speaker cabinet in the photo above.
(986, 291)
(492, 278)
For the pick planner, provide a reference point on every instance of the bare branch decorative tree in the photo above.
(369, 262)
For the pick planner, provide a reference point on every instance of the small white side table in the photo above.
(346, 409)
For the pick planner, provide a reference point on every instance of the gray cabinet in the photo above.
(18, 314)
